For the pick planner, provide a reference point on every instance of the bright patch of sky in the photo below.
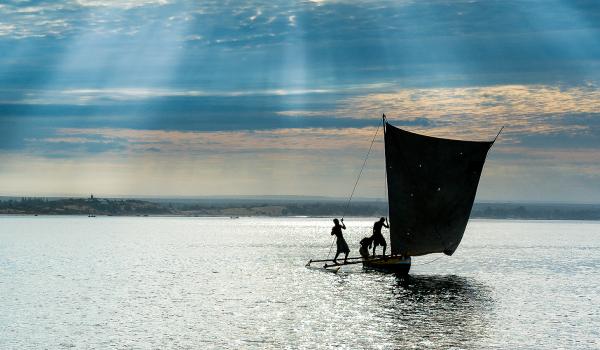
(282, 97)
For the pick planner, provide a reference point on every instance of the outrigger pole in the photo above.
(351, 258)
(375, 258)
(325, 260)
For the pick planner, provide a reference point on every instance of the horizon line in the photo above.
(278, 197)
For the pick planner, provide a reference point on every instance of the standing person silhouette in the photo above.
(342, 246)
(377, 236)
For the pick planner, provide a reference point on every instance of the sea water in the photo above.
(220, 283)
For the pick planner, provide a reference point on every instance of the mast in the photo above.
(387, 188)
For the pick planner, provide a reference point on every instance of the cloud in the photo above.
(193, 37)
(476, 112)
(288, 161)
(292, 20)
(559, 156)
(526, 111)
(6, 29)
(123, 4)
(174, 142)
(332, 42)
(21, 20)
(277, 79)
(86, 96)
(256, 15)
(343, 141)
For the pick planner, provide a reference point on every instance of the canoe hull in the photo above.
(393, 264)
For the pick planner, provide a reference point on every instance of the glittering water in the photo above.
(141, 283)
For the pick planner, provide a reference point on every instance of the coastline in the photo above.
(2, 215)
(106, 207)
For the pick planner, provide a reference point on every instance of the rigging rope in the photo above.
(356, 183)
(429, 262)
(361, 171)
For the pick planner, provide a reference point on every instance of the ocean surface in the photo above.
(221, 283)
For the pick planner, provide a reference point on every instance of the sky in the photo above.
(227, 98)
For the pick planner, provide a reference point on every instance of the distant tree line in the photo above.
(536, 211)
(128, 207)
(80, 206)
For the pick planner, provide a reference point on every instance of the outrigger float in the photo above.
(431, 186)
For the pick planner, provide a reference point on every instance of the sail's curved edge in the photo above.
(432, 184)
(437, 137)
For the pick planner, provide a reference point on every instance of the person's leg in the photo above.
(346, 257)
(384, 246)
(335, 257)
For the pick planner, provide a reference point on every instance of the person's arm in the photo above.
(386, 224)
(343, 225)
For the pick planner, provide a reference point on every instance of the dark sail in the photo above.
(431, 188)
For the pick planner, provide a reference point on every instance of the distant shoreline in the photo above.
(273, 208)
(261, 216)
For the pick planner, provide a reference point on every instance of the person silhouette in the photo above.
(342, 246)
(365, 245)
(377, 236)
